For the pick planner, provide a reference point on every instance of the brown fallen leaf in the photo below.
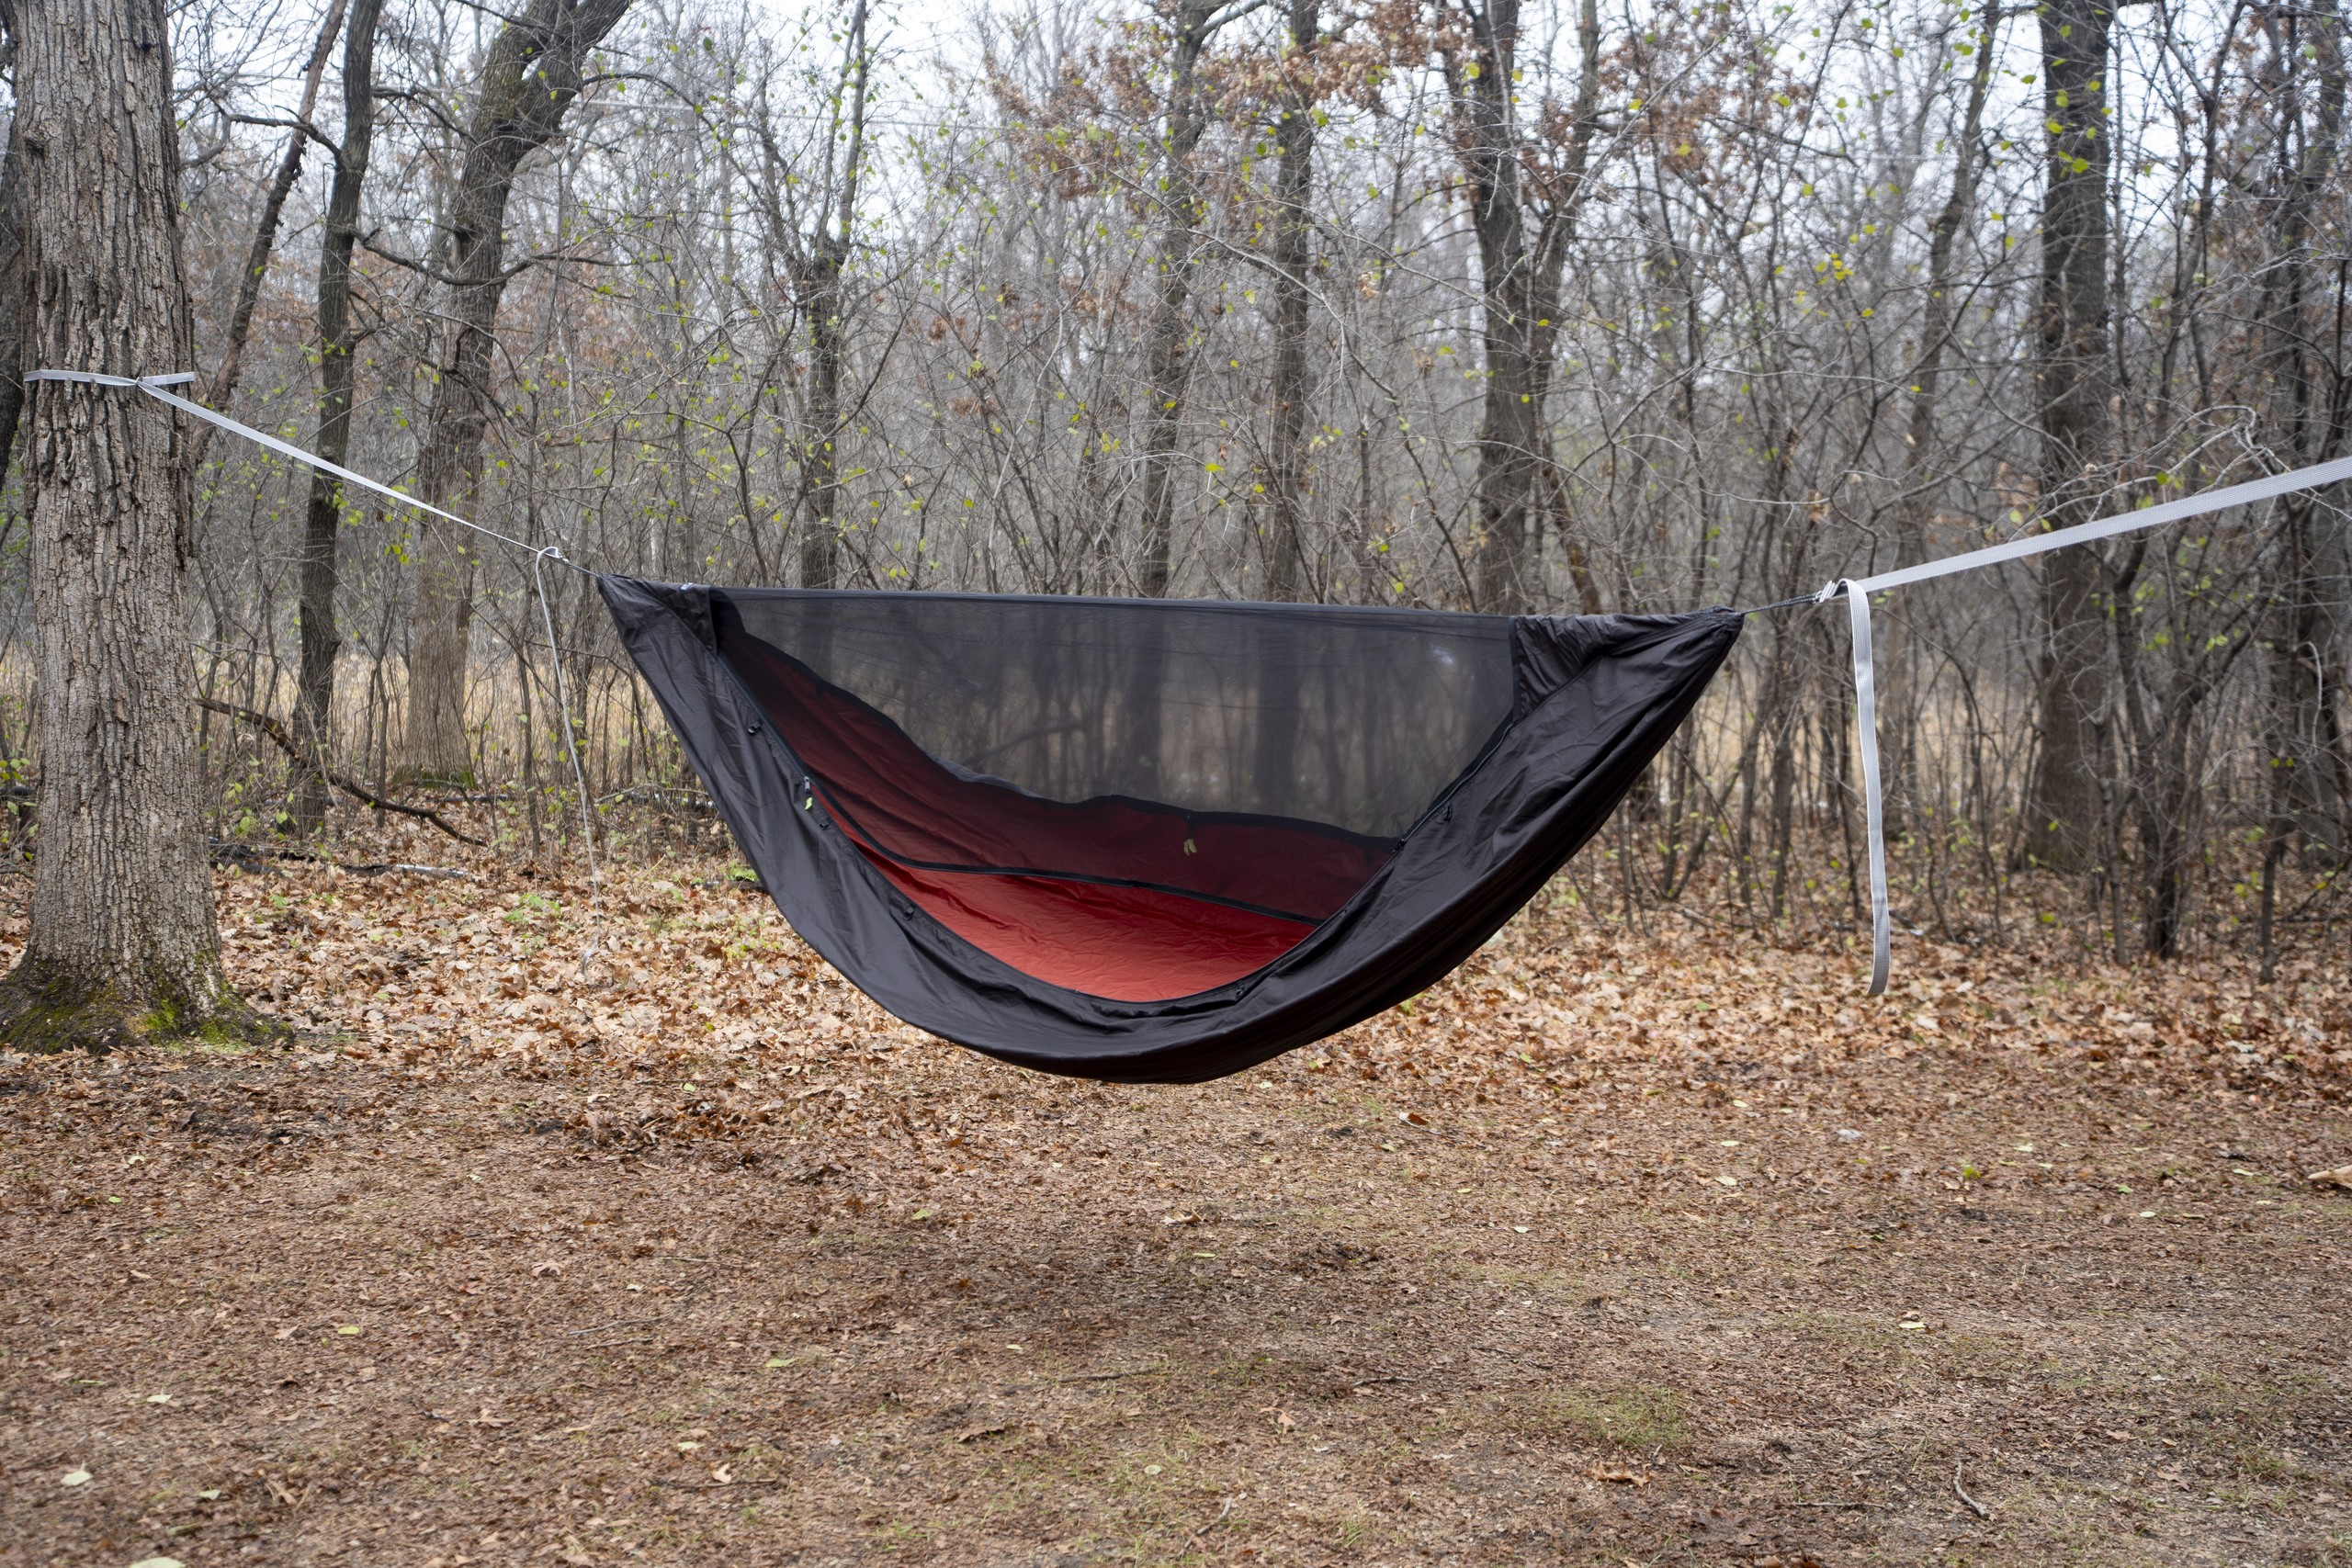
(2340, 1177)
(1619, 1477)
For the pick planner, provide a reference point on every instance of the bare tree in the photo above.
(1523, 203)
(2310, 788)
(1290, 256)
(2065, 811)
(323, 518)
(224, 385)
(815, 258)
(1166, 367)
(534, 72)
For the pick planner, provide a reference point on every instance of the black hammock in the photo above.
(1153, 840)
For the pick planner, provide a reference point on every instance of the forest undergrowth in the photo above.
(1636, 1244)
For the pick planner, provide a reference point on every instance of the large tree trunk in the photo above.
(530, 81)
(314, 691)
(1166, 363)
(122, 942)
(1510, 426)
(2070, 786)
(2310, 791)
(1291, 254)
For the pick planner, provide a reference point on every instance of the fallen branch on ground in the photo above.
(286, 743)
(1974, 1506)
(223, 850)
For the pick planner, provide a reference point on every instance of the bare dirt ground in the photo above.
(1624, 1246)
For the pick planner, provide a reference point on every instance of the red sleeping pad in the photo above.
(1126, 899)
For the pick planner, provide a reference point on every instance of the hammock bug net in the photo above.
(1151, 839)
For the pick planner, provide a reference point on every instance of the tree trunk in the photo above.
(122, 942)
(16, 300)
(817, 265)
(1165, 360)
(2070, 786)
(820, 282)
(530, 81)
(314, 691)
(2306, 743)
(1520, 255)
(1292, 254)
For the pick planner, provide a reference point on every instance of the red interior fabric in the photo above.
(969, 851)
(1131, 944)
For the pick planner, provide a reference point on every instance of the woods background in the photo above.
(1521, 306)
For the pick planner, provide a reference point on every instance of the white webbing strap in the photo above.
(154, 386)
(1858, 591)
(1857, 609)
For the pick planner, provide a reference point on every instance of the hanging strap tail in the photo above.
(1858, 610)
(1858, 591)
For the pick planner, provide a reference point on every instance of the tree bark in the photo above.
(817, 266)
(2072, 777)
(532, 74)
(1165, 357)
(2306, 741)
(1521, 251)
(1292, 254)
(2309, 787)
(122, 944)
(16, 300)
(321, 523)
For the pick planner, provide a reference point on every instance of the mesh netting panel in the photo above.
(1356, 718)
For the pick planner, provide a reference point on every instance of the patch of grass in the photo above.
(2261, 1463)
(1650, 1420)
(1980, 1355)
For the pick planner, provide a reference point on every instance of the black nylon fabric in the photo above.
(1351, 717)
(1591, 700)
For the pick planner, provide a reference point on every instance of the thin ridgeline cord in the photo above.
(154, 387)
(1780, 604)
